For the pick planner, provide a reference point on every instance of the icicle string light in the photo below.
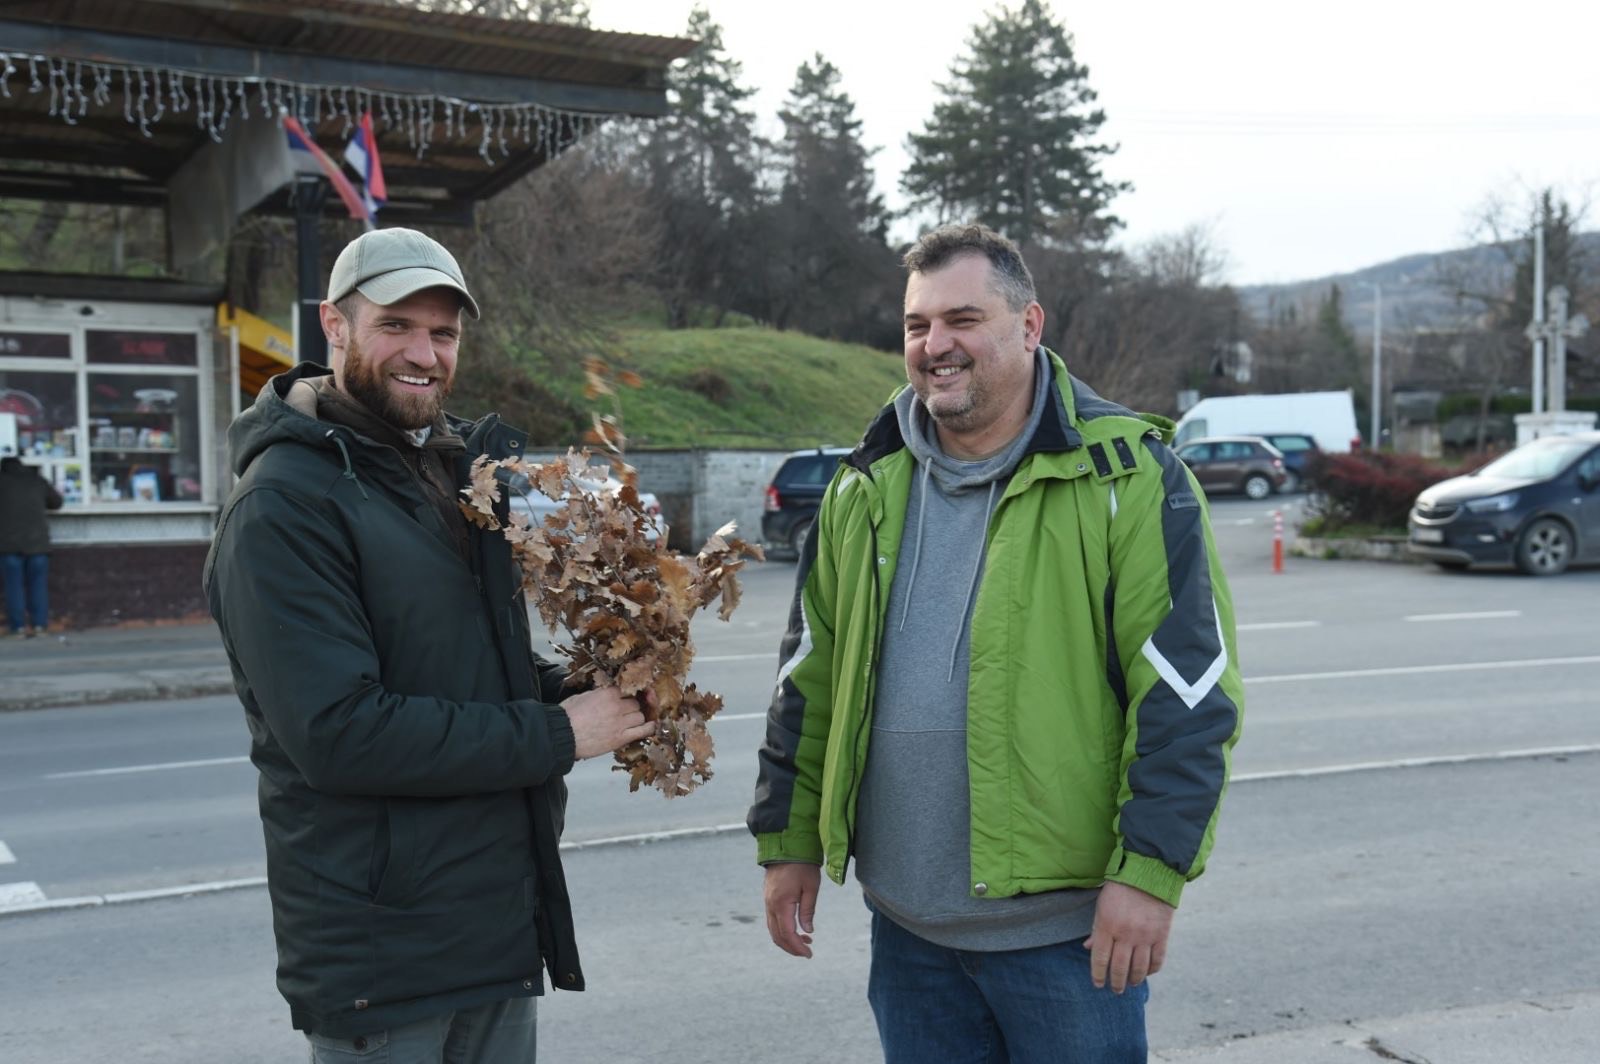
(151, 94)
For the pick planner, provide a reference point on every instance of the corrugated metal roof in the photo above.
(383, 32)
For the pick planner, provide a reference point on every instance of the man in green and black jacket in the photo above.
(411, 747)
(1008, 689)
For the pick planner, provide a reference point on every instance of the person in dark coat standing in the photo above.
(25, 545)
(411, 746)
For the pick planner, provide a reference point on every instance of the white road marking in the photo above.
(18, 898)
(1268, 626)
(124, 769)
(1483, 616)
(93, 901)
(6, 856)
(16, 895)
(1406, 670)
(1416, 762)
(1296, 677)
(653, 836)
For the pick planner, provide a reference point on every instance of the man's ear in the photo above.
(334, 325)
(1033, 325)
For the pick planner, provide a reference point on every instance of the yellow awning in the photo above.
(264, 349)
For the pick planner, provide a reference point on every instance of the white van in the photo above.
(1328, 417)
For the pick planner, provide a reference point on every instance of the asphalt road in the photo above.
(1390, 845)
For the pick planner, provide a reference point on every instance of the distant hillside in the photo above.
(748, 387)
(1415, 293)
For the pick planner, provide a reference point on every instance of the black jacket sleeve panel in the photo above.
(287, 591)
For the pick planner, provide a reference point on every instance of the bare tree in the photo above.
(554, 255)
(1499, 283)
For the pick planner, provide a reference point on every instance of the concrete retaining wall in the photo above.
(1374, 548)
(701, 490)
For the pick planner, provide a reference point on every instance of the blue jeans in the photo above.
(1026, 1006)
(503, 1032)
(27, 598)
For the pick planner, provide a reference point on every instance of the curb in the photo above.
(23, 694)
(1374, 549)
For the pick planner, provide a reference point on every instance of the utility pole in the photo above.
(1536, 330)
(1377, 366)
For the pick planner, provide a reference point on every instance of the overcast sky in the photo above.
(1312, 139)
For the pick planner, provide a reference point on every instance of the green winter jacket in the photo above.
(410, 756)
(1104, 695)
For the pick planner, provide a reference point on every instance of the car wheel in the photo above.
(797, 537)
(1257, 486)
(1545, 548)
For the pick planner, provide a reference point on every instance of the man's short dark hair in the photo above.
(944, 245)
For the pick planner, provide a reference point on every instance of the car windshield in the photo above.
(1535, 461)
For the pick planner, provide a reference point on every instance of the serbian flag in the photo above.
(362, 153)
(300, 140)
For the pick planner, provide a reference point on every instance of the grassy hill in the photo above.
(747, 386)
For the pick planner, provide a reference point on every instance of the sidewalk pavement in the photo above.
(1563, 1029)
(121, 664)
(165, 661)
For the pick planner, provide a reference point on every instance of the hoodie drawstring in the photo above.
(916, 552)
(349, 470)
(972, 585)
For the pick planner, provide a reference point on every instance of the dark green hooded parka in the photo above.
(410, 753)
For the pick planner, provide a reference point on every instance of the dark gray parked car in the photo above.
(1537, 507)
(1235, 463)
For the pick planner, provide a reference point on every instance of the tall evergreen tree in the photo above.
(1011, 144)
(829, 225)
(1564, 259)
(826, 165)
(702, 169)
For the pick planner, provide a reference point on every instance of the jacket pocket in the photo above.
(389, 872)
(325, 1050)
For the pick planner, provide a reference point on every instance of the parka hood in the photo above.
(271, 418)
(284, 411)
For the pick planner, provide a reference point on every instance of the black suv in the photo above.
(795, 493)
(1537, 506)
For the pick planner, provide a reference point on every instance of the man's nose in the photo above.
(940, 340)
(419, 348)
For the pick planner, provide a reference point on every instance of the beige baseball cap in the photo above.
(387, 265)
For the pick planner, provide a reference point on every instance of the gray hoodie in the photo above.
(912, 843)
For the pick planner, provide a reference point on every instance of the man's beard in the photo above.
(373, 391)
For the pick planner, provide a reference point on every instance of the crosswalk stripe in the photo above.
(25, 893)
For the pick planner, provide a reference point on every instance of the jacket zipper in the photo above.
(858, 764)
